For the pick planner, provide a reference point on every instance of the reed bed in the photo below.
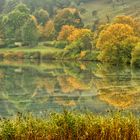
(71, 126)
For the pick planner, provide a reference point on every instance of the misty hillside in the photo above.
(92, 11)
(105, 10)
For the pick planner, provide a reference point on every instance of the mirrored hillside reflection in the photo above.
(54, 86)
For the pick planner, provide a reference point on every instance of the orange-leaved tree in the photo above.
(65, 32)
(47, 31)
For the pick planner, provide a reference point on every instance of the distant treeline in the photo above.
(49, 5)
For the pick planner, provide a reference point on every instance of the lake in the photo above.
(39, 87)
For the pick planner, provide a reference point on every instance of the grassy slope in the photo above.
(131, 7)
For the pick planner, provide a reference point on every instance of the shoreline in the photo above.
(42, 53)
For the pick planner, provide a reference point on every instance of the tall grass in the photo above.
(71, 126)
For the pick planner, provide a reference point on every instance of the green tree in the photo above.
(13, 21)
(30, 33)
(42, 16)
(22, 8)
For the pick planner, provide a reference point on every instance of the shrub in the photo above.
(60, 44)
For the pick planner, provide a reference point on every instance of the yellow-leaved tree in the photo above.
(116, 43)
(134, 23)
(80, 34)
(80, 40)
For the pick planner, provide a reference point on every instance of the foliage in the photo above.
(13, 22)
(22, 8)
(30, 34)
(60, 44)
(135, 24)
(67, 16)
(116, 43)
(75, 47)
(83, 34)
(80, 39)
(65, 32)
(42, 16)
(47, 31)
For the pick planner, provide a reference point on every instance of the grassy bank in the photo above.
(39, 52)
(71, 126)
(42, 53)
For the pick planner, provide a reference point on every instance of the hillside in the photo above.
(105, 10)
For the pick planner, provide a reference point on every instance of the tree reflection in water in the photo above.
(40, 86)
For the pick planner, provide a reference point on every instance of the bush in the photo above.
(9, 43)
(60, 44)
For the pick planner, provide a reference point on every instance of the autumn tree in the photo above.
(80, 34)
(67, 16)
(65, 32)
(80, 40)
(116, 43)
(134, 23)
(47, 32)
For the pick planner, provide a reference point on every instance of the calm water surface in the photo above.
(54, 86)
